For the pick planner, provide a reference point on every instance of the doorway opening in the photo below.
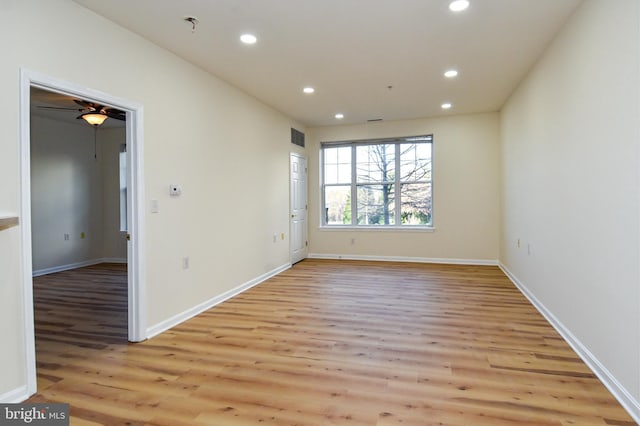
(133, 245)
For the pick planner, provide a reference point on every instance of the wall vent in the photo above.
(297, 137)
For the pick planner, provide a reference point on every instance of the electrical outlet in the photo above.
(282, 236)
(66, 237)
(185, 263)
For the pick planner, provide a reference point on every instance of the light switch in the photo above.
(154, 206)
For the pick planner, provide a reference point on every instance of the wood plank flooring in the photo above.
(81, 311)
(324, 343)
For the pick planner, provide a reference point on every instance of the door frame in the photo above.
(306, 211)
(135, 207)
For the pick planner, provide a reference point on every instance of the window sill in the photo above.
(378, 228)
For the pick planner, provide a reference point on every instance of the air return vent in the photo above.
(297, 137)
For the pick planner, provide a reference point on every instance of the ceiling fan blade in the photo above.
(59, 108)
(109, 112)
(115, 114)
(84, 104)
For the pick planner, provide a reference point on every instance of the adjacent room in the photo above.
(324, 212)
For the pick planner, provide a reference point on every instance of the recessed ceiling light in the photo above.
(458, 5)
(248, 38)
(451, 73)
(308, 90)
(446, 105)
(339, 116)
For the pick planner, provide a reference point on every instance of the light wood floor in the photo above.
(324, 343)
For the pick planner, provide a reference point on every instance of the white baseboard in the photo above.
(120, 260)
(15, 396)
(615, 387)
(192, 312)
(488, 262)
(77, 265)
(67, 267)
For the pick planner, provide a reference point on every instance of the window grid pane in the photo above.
(416, 204)
(376, 205)
(337, 165)
(375, 163)
(415, 162)
(337, 201)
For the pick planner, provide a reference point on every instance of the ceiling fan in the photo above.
(97, 109)
(93, 113)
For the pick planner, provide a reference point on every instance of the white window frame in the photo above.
(397, 142)
(122, 167)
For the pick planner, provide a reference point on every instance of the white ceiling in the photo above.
(350, 51)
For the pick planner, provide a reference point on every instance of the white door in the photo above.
(298, 203)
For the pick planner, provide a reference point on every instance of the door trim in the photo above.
(135, 250)
(306, 212)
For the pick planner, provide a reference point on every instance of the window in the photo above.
(122, 160)
(377, 183)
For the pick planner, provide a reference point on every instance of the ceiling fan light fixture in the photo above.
(248, 38)
(94, 118)
(459, 5)
(451, 73)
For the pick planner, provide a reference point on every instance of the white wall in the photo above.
(570, 136)
(229, 152)
(74, 193)
(66, 194)
(466, 198)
